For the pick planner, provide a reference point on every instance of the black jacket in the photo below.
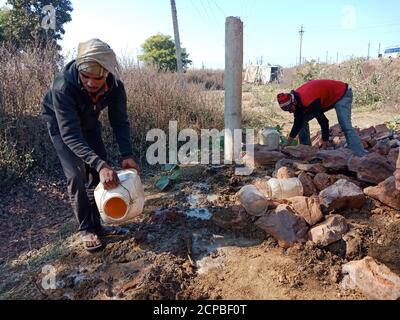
(301, 115)
(70, 112)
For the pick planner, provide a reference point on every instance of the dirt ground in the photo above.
(177, 249)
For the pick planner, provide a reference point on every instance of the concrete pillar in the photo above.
(233, 82)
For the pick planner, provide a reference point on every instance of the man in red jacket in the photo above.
(312, 100)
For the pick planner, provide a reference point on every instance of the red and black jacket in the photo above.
(317, 97)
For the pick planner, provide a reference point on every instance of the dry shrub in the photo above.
(155, 99)
(375, 83)
(209, 79)
(26, 76)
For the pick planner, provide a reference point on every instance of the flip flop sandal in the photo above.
(90, 238)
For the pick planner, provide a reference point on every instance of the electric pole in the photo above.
(369, 47)
(177, 40)
(301, 42)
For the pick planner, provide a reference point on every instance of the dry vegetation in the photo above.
(156, 98)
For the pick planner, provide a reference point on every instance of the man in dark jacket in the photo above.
(312, 100)
(72, 108)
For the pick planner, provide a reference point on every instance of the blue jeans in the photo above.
(343, 112)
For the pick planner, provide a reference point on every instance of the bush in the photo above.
(26, 76)
(209, 79)
(154, 99)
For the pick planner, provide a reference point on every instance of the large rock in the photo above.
(329, 231)
(285, 163)
(285, 226)
(323, 180)
(382, 147)
(262, 156)
(234, 218)
(310, 167)
(373, 168)
(386, 193)
(309, 188)
(375, 281)
(301, 152)
(342, 195)
(308, 208)
(335, 160)
(382, 132)
(393, 156)
(368, 132)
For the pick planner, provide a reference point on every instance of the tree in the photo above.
(159, 50)
(24, 22)
(4, 14)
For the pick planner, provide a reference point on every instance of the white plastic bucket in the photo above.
(284, 188)
(121, 204)
(270, 138)
(255, 203)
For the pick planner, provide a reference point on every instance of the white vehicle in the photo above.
(392, 52)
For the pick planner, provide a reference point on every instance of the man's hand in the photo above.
(108, 177)
(131, 164)
(288, 143)
(397, 177)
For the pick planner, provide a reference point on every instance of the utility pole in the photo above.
(177, 41)
(233, 83)
(369, 48)
(379, 50)
(301, 41)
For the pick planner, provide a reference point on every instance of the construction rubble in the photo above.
(334, 181)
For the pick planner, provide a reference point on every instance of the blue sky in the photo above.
(270, 27)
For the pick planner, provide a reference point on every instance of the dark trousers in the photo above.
(82, 180)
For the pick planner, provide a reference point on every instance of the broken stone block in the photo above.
(309, 188)
(367, 132)
(329, 231)
(301, 152)
(262, 157)
(335, 160)
(373, 168)
(322, 181)
(374, 280)
(382, 147)
(310, 167)
(353, 244)
(394, 143)
(393, 156)
(285, 226)
(382, 132)
(285, 173)
(386, 193)
(342, 195)
(284, 163)
(234, 218)
(308, 208)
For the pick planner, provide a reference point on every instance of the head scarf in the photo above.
(96, 55)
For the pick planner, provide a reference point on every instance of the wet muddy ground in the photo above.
(181, 248)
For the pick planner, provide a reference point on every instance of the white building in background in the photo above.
(259, 74)
(392, 52)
